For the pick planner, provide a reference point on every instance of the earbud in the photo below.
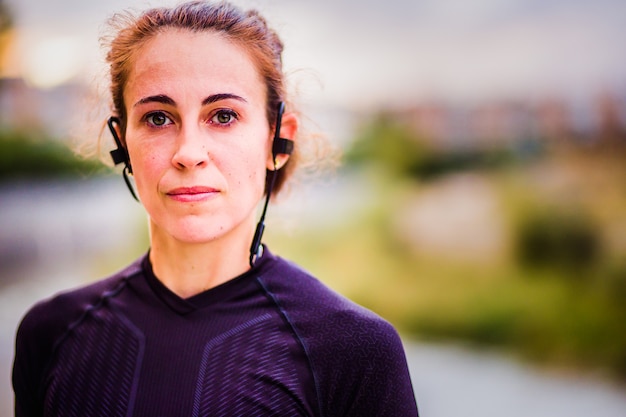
(120, 155)
(280, 145)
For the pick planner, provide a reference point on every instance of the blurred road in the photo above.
(454, 381)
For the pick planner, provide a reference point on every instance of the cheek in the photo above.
(246, 170)
(147, 166)
(251, 161)
(249, 180)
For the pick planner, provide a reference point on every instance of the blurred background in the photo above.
(480, 204)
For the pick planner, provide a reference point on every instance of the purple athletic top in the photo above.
(272, 342)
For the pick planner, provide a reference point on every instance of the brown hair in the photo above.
(245, 28)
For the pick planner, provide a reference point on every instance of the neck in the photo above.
(188, 269)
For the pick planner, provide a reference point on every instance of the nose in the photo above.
(191, 149)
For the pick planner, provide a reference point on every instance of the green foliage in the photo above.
(399, 151)
(389, 144)
(31, 155)
(5, 17)
(558, 238)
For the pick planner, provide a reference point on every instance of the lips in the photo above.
(197, 193)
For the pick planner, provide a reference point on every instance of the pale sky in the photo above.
(376, 52)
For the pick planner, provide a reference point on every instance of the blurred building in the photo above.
(56, 111)
(495, 124)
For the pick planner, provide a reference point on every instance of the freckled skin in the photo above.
(191, 151)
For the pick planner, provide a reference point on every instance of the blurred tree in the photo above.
(5, 17)
(6, 23)
(558, 237)
(389, 144)
(392, 145)
(32, 155)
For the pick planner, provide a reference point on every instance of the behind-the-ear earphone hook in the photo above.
(279, 146)
(120, 155)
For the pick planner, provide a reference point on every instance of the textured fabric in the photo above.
(271, 342)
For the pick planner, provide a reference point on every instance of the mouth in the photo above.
(192, 194)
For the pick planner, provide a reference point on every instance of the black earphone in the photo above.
(279, 146)
(120, 154)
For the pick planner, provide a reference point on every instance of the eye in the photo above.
(223, 117)
(157, 119)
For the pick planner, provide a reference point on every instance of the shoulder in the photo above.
(357, 358)
(327, 319)
(44, 322)
(45, 325)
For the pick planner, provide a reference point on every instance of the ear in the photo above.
(288, 130)
(118, 129)
(120, 154)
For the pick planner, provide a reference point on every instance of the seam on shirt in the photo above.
(299, 338)
(104, 296)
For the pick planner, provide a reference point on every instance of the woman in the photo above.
(204, 325)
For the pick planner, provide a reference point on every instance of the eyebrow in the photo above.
(219, 97)
(163, 99)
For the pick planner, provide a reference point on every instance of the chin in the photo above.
(198, 235)
(199, 229)
(204, 231)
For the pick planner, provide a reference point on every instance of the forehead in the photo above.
(203, 62)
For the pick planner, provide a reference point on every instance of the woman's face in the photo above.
(197, 135)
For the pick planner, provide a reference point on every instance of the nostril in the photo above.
(191, 152)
